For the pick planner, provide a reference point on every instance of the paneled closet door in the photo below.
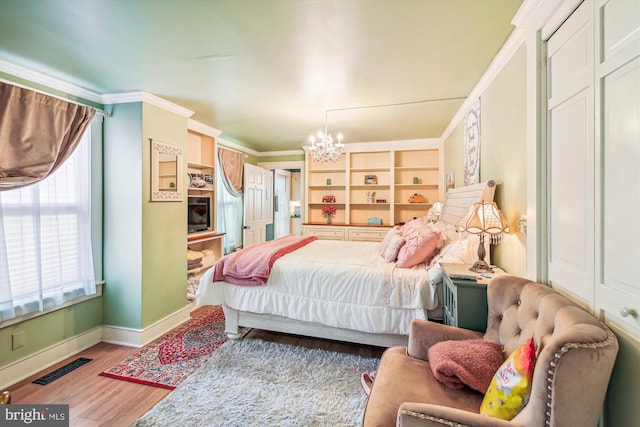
(570, 150)
(618, 73)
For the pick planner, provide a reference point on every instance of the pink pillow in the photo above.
(390, 253)
(387, 238)
(420, 243)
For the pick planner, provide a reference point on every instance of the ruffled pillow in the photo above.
(390, 253)
(387, 238)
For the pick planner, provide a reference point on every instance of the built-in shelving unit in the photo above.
(201, 182)
(371, 186)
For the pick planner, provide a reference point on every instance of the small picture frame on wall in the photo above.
(370, 179)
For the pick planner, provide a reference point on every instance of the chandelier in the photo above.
(322, 147)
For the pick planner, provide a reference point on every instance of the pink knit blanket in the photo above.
(251, 266)
(470, 362)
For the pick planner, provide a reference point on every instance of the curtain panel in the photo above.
(38, 133)
(232, 164)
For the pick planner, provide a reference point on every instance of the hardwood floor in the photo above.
(100, 401)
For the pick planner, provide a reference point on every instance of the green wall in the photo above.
(502, 155)
(164, 224)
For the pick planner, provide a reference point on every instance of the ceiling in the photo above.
(267, 72)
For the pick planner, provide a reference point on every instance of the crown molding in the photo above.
(239, 147)
(141, 96)
(281, 153)
(196, 126)
(48, 81)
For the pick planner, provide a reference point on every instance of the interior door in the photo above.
(282, 189)
(571, 173)
(257, 204)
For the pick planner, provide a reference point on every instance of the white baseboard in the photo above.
(34, 363)
(140, 337)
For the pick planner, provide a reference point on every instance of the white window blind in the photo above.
(45, 239)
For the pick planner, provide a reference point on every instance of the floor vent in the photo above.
(61, 371)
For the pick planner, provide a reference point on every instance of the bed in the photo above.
(346, 290)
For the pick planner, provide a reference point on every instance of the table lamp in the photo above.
(484, 219)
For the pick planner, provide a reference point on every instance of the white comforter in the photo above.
(342, 284)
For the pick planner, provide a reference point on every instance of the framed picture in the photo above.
(450, 180)
(370, 179)
(197, 181)
(472, 144)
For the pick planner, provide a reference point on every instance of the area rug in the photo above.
(260, 383)
(170, 359)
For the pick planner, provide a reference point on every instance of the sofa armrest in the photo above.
(423, 334)
(412, 414)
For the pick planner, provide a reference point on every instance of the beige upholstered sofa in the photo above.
(575, 356)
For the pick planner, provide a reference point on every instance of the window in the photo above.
(229, 219)
(45, 239)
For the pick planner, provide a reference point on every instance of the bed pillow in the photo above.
(387, 238)
(390, 253)
(471, 363)
(420, 244)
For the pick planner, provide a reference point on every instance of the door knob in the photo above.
(626, 311)
(246, 227)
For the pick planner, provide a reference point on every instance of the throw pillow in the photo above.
(390, 253)
(470, 362)
(387, 238)
(511, 385)
(420, 244)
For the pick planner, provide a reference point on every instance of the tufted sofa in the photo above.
(575, 356)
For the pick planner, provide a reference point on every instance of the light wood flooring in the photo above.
(100, 401)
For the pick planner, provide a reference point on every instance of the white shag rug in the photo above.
(259, 383)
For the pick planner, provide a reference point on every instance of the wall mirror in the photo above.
(166, 172)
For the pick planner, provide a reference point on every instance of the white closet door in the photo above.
(618, 71)
(571, 156)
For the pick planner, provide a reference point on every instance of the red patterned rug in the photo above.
(170, 359)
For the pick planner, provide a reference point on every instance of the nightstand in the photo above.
(465, 297)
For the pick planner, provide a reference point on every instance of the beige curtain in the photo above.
(37, 134)
(232, 163)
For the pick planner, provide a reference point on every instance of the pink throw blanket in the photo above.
(251, 266)
(469, 362)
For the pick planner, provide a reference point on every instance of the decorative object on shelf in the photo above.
(374, 221)
(328, 212)
(324, 149)
(417, 198)
(433, 214)
(328, 199)
(370, 196)
(484, 219)
(370, 179)
(381, 200)
(199, 181)
(416, 180)
(328, 181)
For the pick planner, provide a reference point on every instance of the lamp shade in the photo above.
(485, 218)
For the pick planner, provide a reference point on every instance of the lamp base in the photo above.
(481, 266)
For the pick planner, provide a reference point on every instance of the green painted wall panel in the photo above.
(49, 329)
(164, 230)
(502, 155)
